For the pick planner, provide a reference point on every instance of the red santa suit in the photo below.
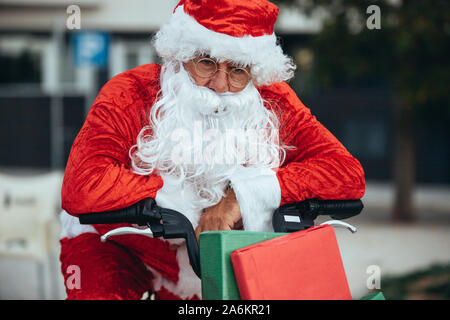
(98, 176)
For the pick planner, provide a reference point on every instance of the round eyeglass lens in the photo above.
(239, 77)
(206, 67)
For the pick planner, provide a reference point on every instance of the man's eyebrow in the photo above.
(240, 65)
(231, 63)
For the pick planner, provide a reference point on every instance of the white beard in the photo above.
(201, 137)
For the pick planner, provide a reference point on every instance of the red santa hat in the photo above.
(235, 30)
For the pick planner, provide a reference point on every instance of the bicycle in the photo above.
(171, 224)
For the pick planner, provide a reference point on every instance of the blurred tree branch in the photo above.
(409, 53)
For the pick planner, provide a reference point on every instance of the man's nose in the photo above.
(219, 82)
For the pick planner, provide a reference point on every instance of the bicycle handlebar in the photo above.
(166, 223)
(171, 224)
(133, 214)
(301, 215)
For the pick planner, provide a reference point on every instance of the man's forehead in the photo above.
(223, 59)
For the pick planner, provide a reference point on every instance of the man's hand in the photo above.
(226, 215)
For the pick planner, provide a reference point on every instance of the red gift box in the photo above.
(304, 265)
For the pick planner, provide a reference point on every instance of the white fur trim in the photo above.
(183, 38)
(188, 283)
(259, 195)
(173, 196)
(71, 226)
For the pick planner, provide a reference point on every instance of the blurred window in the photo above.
(67, 65)
(132, 59)
(365, 137)
(19, 62)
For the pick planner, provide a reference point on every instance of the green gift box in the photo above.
(374, 296)
(218, 280)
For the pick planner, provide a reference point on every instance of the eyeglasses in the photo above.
(238, 77)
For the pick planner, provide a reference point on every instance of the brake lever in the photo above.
(126, 230)
(149, 215)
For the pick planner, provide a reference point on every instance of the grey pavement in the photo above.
(392, 249)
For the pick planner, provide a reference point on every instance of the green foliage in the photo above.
(430, 283)
(409, 53)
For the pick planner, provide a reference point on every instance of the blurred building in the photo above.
(45, 94)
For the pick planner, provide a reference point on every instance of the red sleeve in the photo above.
(98, 176)
(320, 166)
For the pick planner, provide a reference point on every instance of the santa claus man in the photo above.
(214, 133)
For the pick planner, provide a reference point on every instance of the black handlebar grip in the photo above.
(130, 214)
(336, 209)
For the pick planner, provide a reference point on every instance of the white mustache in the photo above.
(217, 103)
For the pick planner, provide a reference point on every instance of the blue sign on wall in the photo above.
(90, 48)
